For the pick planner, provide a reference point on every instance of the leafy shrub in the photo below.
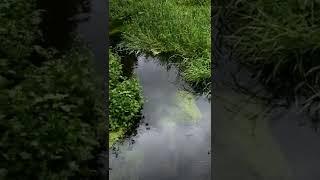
(115, 70)
(49, 121)
(18, 32)
(49, 111)
(125, 97)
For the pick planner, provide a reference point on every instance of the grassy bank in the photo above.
(280, 40)
(49, 109)
(178, 27)
(125, 100)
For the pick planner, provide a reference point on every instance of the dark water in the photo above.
(165, 146)
(65, 21)
(256, 139)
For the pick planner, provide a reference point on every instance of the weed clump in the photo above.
(281, 41)
(178, 27)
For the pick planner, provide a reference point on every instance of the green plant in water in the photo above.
(125, 100)
(186, 103)
(184, 109)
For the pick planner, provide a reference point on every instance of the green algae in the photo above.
(184, 109)
(187, 104)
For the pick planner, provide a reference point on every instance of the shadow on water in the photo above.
(258, 138)
(58, 21)
(166, 144)
(75, 21)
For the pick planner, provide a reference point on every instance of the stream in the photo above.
(86, 20)
(166, 145)
(256, 139)
(252, 139)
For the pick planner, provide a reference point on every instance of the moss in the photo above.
(184, 109)
(187, 104)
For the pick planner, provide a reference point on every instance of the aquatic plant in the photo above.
(184, 109)
(187, 104)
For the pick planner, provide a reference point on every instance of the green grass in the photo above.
(281, 41)
(125, 100)
(178, 27)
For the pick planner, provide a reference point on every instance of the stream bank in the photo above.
(172, 133)
(257, 136)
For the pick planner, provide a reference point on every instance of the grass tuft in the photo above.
(180, 27)
(281, 41)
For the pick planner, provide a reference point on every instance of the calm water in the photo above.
(86, 20)
(163, 148)
(255, 140)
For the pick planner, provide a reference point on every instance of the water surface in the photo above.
(165, 146)
(257, 139)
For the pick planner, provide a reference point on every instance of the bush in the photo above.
(49, 121)
(125, 98)
(18, 32)
(49, 111)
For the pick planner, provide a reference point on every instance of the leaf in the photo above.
(73, 166)
(25, 155)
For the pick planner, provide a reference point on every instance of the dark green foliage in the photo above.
(49, 111)
(18, 31)
(49, 120)
(125, 97)
(281, 39)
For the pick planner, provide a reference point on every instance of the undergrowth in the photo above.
(50, 115)
(281, 41)
(125, 100)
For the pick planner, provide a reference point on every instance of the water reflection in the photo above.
(166, 147)
(257, 139)
(60, 20)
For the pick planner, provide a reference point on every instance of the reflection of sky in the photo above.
(169, 149)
